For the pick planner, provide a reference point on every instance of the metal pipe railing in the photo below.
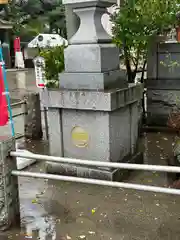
(18, 115)
(128, 166)
(97, 182)
(18, 103)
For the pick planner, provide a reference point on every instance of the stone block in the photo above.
(120, 125)
(92, 100)
(110, 134)
(163, 84)
(55, 137)
(95, 124)
(94, 173)
(93, 80)
(32, 125)
(91, 58)
(9, 207)
(135, 122)
(159, 105)
(90, 14)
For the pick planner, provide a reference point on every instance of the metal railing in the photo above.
(20, 103)
(24, 111)
(97, 164)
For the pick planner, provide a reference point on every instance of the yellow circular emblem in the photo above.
(80, 137)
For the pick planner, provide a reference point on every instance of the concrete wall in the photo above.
(163, 82)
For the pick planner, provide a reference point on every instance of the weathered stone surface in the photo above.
(160, 103)
(92, 100)
(9, 195)
(93, 80)
(112, 131)
(94, 173)
(32, 125)
(176, 150)
(55, 132)
(90, 14)
(163, 82)
(94, 33)
(91, 58)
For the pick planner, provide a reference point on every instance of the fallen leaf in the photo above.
(93, 210)
(91, 232)
(34, 201)
(82, 237)
(166, 139)
(68, 237)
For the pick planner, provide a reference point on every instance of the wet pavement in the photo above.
(52, 210)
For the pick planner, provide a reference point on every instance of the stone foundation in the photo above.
(109, 121)
(94, 173)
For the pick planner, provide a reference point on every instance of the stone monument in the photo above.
(163, 85)
(94, 114)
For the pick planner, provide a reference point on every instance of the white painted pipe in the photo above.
(129, 166)
(97, 182)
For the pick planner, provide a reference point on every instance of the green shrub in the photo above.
(54, 64)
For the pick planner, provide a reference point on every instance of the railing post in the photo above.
(32, 119)
(9, 194)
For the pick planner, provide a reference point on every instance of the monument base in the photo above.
(97, 126)
(96, 172)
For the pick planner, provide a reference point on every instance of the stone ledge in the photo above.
(157, 119)
(163, 84)
(93, 81)
(87, 3)
(93, 173)
(92, 100)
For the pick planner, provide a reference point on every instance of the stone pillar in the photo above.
(94, 114)
(9, 195)
(32, 119)
(91, 60)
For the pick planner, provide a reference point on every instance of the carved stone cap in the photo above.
(86, 3)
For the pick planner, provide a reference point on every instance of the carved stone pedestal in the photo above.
(94, 115)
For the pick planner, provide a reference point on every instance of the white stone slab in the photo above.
(24, 162)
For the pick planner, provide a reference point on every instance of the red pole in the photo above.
(3, 101)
